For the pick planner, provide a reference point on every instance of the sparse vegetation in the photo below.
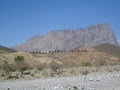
(100, 61)
(22, 66)
(56, 63)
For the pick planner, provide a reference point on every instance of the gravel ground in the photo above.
(93, 81)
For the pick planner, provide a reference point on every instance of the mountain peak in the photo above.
(69, 39)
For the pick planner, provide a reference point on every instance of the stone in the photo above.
(27, 72)
(15, 74)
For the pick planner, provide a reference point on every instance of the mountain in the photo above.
(4, 49)
(109, 48)
(69, 39)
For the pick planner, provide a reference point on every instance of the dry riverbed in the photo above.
(91, 81)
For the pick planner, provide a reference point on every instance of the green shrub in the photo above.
(19, 58)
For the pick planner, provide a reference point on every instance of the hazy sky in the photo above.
(21, 19)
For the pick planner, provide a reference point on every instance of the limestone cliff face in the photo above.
(69, 39)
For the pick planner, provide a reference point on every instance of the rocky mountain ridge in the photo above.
(69, 39)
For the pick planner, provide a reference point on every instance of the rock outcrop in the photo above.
(69, 39)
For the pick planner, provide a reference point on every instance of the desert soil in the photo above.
(92, 81)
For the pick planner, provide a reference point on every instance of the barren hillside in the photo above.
(109, 48)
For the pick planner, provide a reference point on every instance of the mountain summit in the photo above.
(69, 39)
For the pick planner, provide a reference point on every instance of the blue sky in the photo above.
(21, 19)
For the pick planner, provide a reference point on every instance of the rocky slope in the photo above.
(69, 39)
(4, 49)
(84, 56)
(109, 48)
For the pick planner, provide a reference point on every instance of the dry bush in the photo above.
(100, 63)
(84, 72)
(68, 64)
(86, 64)
(8, 67)
(40, 67)
(22, 66)
(54, 66)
